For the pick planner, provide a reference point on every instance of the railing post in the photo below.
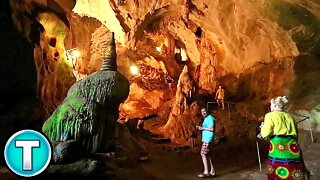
(258, 153)
(229, 111)
(245, 110)
(310, 129)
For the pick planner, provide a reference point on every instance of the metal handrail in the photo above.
(310, 128)
(213, 102)
(228, 105)
(302, 120)
(301, 115)
(306, 118)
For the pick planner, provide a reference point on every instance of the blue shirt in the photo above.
(207, 136)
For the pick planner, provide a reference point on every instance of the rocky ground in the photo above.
(234, 156)
(229, 164)
(169, 161)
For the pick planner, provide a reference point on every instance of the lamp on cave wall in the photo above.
(184, 56)
(134, 70)
(159, 49)
(180, 55)
(73, 55)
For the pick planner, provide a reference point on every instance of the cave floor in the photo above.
(172, 162)
(232, 160)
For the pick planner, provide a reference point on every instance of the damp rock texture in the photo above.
(89, 112)
(255, 49)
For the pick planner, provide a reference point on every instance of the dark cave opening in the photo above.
(198, 32)
(18, 81)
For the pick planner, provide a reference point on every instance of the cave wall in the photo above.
(253, 48)
(16, 55)
(235, 36)
(18, 80)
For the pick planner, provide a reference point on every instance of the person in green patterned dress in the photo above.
(284, 159)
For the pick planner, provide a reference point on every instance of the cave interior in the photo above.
(174, 54)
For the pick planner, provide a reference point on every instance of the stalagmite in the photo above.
(90, 110)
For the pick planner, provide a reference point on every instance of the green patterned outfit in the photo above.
(285, 160)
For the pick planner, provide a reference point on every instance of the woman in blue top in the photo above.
(207, 129)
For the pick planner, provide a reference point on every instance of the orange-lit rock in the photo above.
(249, 47)
(175, 127)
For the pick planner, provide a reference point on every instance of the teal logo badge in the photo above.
(27, 153)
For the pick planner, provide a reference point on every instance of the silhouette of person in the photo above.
(220, 96)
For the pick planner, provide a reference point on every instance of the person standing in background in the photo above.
(220, 96)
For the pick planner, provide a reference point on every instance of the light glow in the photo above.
(184, 56)
(134, 70)
(75, 53)
(158, 49)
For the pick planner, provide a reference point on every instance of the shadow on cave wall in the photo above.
(304, 27)
(18, 102)
(297, 18)
(306, 88)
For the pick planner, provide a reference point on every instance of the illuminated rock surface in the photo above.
(254, 49)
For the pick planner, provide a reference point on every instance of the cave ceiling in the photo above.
(255, 49)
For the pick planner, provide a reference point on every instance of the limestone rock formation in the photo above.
(89, 112)
(255, 49)
(179, 126)
(184, 93)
